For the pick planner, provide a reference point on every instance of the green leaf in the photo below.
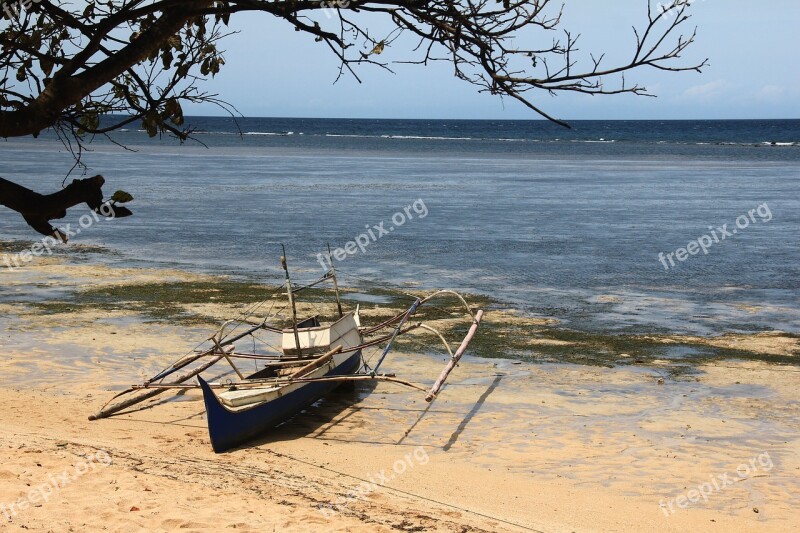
(46, 64)
(121, 197)
(121, 212)
(150, 124)
(166, 57)
(175, 42)
(200, 23)
(174, 111)
(378, 48)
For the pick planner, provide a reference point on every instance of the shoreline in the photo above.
(511, 445)
(61, 285)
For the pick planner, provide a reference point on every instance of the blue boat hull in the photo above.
(229, 429)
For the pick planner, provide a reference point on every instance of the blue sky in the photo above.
(752, 47)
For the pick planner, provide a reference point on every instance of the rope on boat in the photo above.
(220, 349)
(454, 293)
(221, 340)
(107, 410)
(444, 341)
(324, 278)
(265, 383)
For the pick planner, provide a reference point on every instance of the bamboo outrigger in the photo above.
(314, 358)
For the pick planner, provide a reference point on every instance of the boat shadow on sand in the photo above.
(318, 419)
(338, 412)
(312, 422)
(300, 366)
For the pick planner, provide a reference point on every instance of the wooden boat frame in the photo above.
(296, 378)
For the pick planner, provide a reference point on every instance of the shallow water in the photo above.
(556, 223)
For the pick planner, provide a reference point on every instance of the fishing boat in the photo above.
(268, 398)
(314, 357)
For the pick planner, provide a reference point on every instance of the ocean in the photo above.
(681, 227)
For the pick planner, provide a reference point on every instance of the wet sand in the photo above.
(508, 446)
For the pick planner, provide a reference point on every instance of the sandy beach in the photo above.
(369, 267)
(509, 445)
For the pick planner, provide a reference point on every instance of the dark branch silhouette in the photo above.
(65, 65)
(140, 59)
(39, 209)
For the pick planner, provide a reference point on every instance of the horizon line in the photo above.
(542, 120)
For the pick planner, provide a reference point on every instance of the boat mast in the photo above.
(290, 293)
(335, 284)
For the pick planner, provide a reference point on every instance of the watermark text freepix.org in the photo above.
(718, 234)
(42, 493)
(373, 233)
(418, 457)
(14, 9)
(329, 5)
(716, 484)
(46, 244)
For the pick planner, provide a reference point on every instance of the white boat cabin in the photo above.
(316, 338)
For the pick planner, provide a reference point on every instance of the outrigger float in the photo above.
(314, 358)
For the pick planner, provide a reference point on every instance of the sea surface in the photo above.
(558, 223)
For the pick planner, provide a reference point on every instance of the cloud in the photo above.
(772, 93)
(707, 91)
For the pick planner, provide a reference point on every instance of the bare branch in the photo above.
(65, 67)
